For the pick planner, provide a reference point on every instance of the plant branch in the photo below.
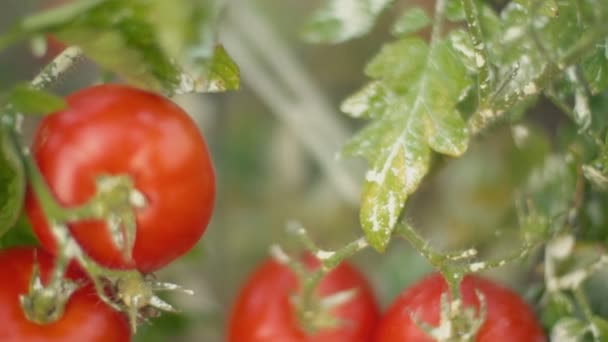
(314, 312)
(57, 67)
(485, 116)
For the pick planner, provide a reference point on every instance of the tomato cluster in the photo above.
(118, 130)
(106, 130)
(263, 311)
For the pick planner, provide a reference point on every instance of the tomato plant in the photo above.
(494, 109)
(85, 317)
(508, 317)
(113, 130)
(264, 310)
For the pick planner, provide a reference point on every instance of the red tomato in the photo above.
(115, 129)
(264, 313)
(86, 318)
(508, 317)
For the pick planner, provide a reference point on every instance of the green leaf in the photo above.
(220, 73)
(145, 43)
(185, 26)
(20, 235)
(550, 187)
(596, 176)
(569, 329)
(602, 327)
(186, 30)
(33, 101)
(454, 11)
(12, 184)
(558, 306)
(547, 8)
(411, 21)
(125, 44)
(340, 20)
(596, 172)
(595, 68)
(412, 119)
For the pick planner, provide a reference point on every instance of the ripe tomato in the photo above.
(85, 318)
(263, 311)
(115, 129)
(508, 317)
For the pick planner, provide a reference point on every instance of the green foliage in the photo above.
(557, 305)
(551, 188)
(340, 20)
(569, 329)
(124, 44)
(411, 21)
(602, 327)
(165, 328)
(12, 184)
(595, 69)
(220, 72)
(26, 100)
(544, 7)
(410, 120)
(143, 44)
(20, 234)
(419, 92)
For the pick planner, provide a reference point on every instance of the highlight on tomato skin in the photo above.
(86, 317)
(263, 310)
(116, 130)
(508, 317)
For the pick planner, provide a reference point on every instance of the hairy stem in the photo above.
(485, 77)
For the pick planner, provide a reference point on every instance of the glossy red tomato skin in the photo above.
(85, 318)
(115, 129)
(508, 317)
(263, 312)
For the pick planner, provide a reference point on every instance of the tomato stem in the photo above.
(56, 67)
(314, 312)
(486, 76)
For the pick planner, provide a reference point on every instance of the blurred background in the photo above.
(275, 145)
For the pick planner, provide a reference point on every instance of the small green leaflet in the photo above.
(595, 68)
(411, 21)
(12, 184)
(220, 73)
(340, 20)
(412, 102)
(26, 100)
